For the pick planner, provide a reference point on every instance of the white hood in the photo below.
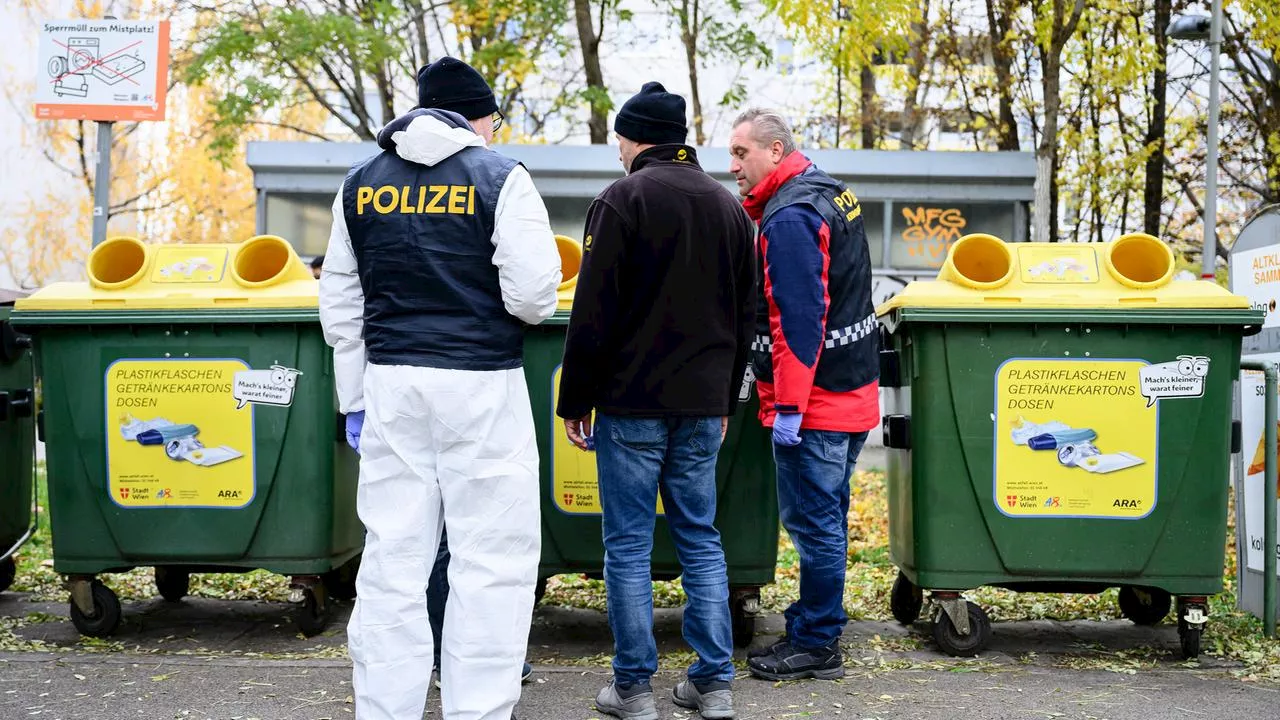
(428, 140)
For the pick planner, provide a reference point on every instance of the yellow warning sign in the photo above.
(575, 487)
(1075, 438)
(176, 436)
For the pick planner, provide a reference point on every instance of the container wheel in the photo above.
(1190, 637)
(173, 584)
(539, 590)
(8, 573)
(106, 613)
(312, 615)
(1188, 633)
(340, 582)
(1144, 605)
(953, 643)
(744, 624)
(905, 600)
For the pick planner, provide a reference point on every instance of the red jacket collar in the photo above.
(791, 166)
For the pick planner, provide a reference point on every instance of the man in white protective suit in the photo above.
(441, 253)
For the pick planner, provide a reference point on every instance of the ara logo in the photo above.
(228, 493)
(1123, 503)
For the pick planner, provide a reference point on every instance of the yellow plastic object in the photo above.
(262, 272)
(570, 264)
(981, 262)
(1134, 271)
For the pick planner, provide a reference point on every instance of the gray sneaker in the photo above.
(636, 707)
(714, 705)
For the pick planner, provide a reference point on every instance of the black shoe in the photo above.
(792, 663)
(767, 650)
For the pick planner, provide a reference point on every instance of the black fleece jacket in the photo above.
(664, 311)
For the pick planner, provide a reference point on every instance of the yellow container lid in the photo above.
(1135, 271)
(570, 263)
(124, 273)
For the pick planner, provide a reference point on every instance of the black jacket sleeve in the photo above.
(595, 310)
(744, 283)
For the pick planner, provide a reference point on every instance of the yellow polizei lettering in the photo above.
(384, 207)
(437, 194)
(457, 198)
(387, 199)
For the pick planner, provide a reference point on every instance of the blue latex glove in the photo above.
(786, 429)
(355, 424)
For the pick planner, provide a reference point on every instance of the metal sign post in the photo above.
(102, 184)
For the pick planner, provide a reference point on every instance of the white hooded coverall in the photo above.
(444, 446)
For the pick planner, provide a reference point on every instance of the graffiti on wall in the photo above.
(930, 232)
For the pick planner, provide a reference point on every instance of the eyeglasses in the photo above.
(498, 119)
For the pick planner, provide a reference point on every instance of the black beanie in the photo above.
(652, 117)
(450, 84)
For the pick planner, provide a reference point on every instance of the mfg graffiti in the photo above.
(930, 232)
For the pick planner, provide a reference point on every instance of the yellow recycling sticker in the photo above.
(176, 434)
(1076, 438)
(575, 487)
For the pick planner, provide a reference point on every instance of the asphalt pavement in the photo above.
(239, 660)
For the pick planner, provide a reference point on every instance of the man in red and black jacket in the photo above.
(816, 361)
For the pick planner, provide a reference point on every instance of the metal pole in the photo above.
(1209, 256)
(1269, 479)
(102, 184)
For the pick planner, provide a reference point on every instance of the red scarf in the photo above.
(791, 166)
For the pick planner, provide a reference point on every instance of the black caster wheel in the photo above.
(313, 614)
(8, 573)
(539, 591)
(744, 620)
(106, 613)
(951, 642)
(905, 600)
(173, 584)
(340, 582)
(1144, 605)
(1189, 633)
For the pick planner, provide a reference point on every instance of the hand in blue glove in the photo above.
(355, 424)
(786, 429)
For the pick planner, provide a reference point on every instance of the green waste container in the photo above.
(1058, 419)
(191, 424)
(572, 542)
(17, 442)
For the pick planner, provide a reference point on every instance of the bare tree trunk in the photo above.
(689, 30)
(1000, 22)
(911, 117)
(1046, 210)
(868, 107)
(1153, 190)
(420, 28)
(589, 41)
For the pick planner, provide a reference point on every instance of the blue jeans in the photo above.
(637, 458)
(813, 503)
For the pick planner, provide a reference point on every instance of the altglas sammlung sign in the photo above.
(102, 70)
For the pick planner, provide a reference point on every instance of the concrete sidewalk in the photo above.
(220, 660)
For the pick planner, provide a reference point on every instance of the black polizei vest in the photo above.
(423, 242)
(850, 355)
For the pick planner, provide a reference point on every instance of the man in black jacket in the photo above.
(662, 322)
